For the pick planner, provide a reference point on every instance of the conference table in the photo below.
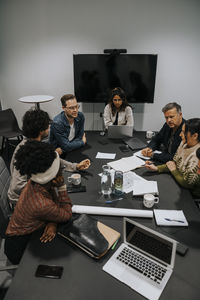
(83, 277)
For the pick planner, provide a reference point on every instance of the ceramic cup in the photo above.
(149, 200)
(75, 179)
(150, 134)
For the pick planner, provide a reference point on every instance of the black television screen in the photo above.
(95, 75)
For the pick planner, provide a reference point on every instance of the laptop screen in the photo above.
(149, 242)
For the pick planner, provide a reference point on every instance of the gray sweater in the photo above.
(18, 181)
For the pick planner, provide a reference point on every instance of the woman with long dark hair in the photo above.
(118, 111)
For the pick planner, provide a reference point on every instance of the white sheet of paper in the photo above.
(127, 163)
(102, 155)
(128, 181)
(165, 217)
(139, 154)
(147, 187)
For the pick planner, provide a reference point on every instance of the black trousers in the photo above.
(14, 247)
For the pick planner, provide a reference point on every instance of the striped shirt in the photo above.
(37, 206)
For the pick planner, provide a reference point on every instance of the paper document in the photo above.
(147, 187)
(105, 155)
(127, 163)
(165, 217)
(139, 154)
(112, 211)
(128, 181)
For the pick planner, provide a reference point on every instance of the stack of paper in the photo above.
(147, 187)
(127, 163)
(170, 217)
(128, 181)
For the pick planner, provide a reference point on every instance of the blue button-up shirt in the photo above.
(60, 129)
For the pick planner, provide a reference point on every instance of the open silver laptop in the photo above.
(144, 261)
(119, 131)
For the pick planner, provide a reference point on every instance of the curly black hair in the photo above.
(35, 121)
(34, 157)
(119, 92)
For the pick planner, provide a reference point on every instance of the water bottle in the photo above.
(106, 181)
(118, 182)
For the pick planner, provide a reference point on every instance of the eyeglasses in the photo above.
(73, 107)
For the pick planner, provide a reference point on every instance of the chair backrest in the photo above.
(5, 210)
(8, 121)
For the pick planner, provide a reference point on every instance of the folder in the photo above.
(90, 235)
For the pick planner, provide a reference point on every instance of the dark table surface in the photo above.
(83, 277)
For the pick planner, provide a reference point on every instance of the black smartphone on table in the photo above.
(49, 271)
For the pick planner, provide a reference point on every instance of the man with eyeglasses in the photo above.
(67, 128)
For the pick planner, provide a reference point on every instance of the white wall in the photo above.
(39, 38)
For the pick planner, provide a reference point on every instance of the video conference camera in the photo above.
(115, 51)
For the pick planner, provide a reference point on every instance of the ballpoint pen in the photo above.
(173, 220)
(110, 201)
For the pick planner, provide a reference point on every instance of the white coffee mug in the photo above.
(149, 200)
(150, 134)
(74, 179)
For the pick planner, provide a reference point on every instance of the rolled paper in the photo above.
(112, 211)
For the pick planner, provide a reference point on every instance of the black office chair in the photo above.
(5, 213)
(9, 128)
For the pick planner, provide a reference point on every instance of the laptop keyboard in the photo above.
(138, 262)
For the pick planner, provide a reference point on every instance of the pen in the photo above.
(172, 220)
(110, 201)
(113, 247)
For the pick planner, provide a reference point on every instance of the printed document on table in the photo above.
(105, 155)
(147, 187)
(127, 163)
(128, 181)
(139, 154)
(165, 217)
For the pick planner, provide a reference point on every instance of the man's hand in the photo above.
(59, 150)
(147, 152)
(150, 166)
(84, 139)
(49, 233)
(171, 165)
(83, 165)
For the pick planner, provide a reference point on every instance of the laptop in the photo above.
(119, 131)
(134, 143)
(144, 261)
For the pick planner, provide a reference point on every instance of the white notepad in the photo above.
(147, 187)
(166, 217)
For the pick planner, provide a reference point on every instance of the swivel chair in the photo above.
(5, 213)
(9, 128)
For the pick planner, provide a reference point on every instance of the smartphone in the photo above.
(181, 249)
(49, 271)
(76, 189)
(124, 148)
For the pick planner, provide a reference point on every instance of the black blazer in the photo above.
(162, 138)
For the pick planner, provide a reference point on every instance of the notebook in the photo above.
(166, 217)
(134, 143)
(119, 131)
(144, 261)
(148, 187)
